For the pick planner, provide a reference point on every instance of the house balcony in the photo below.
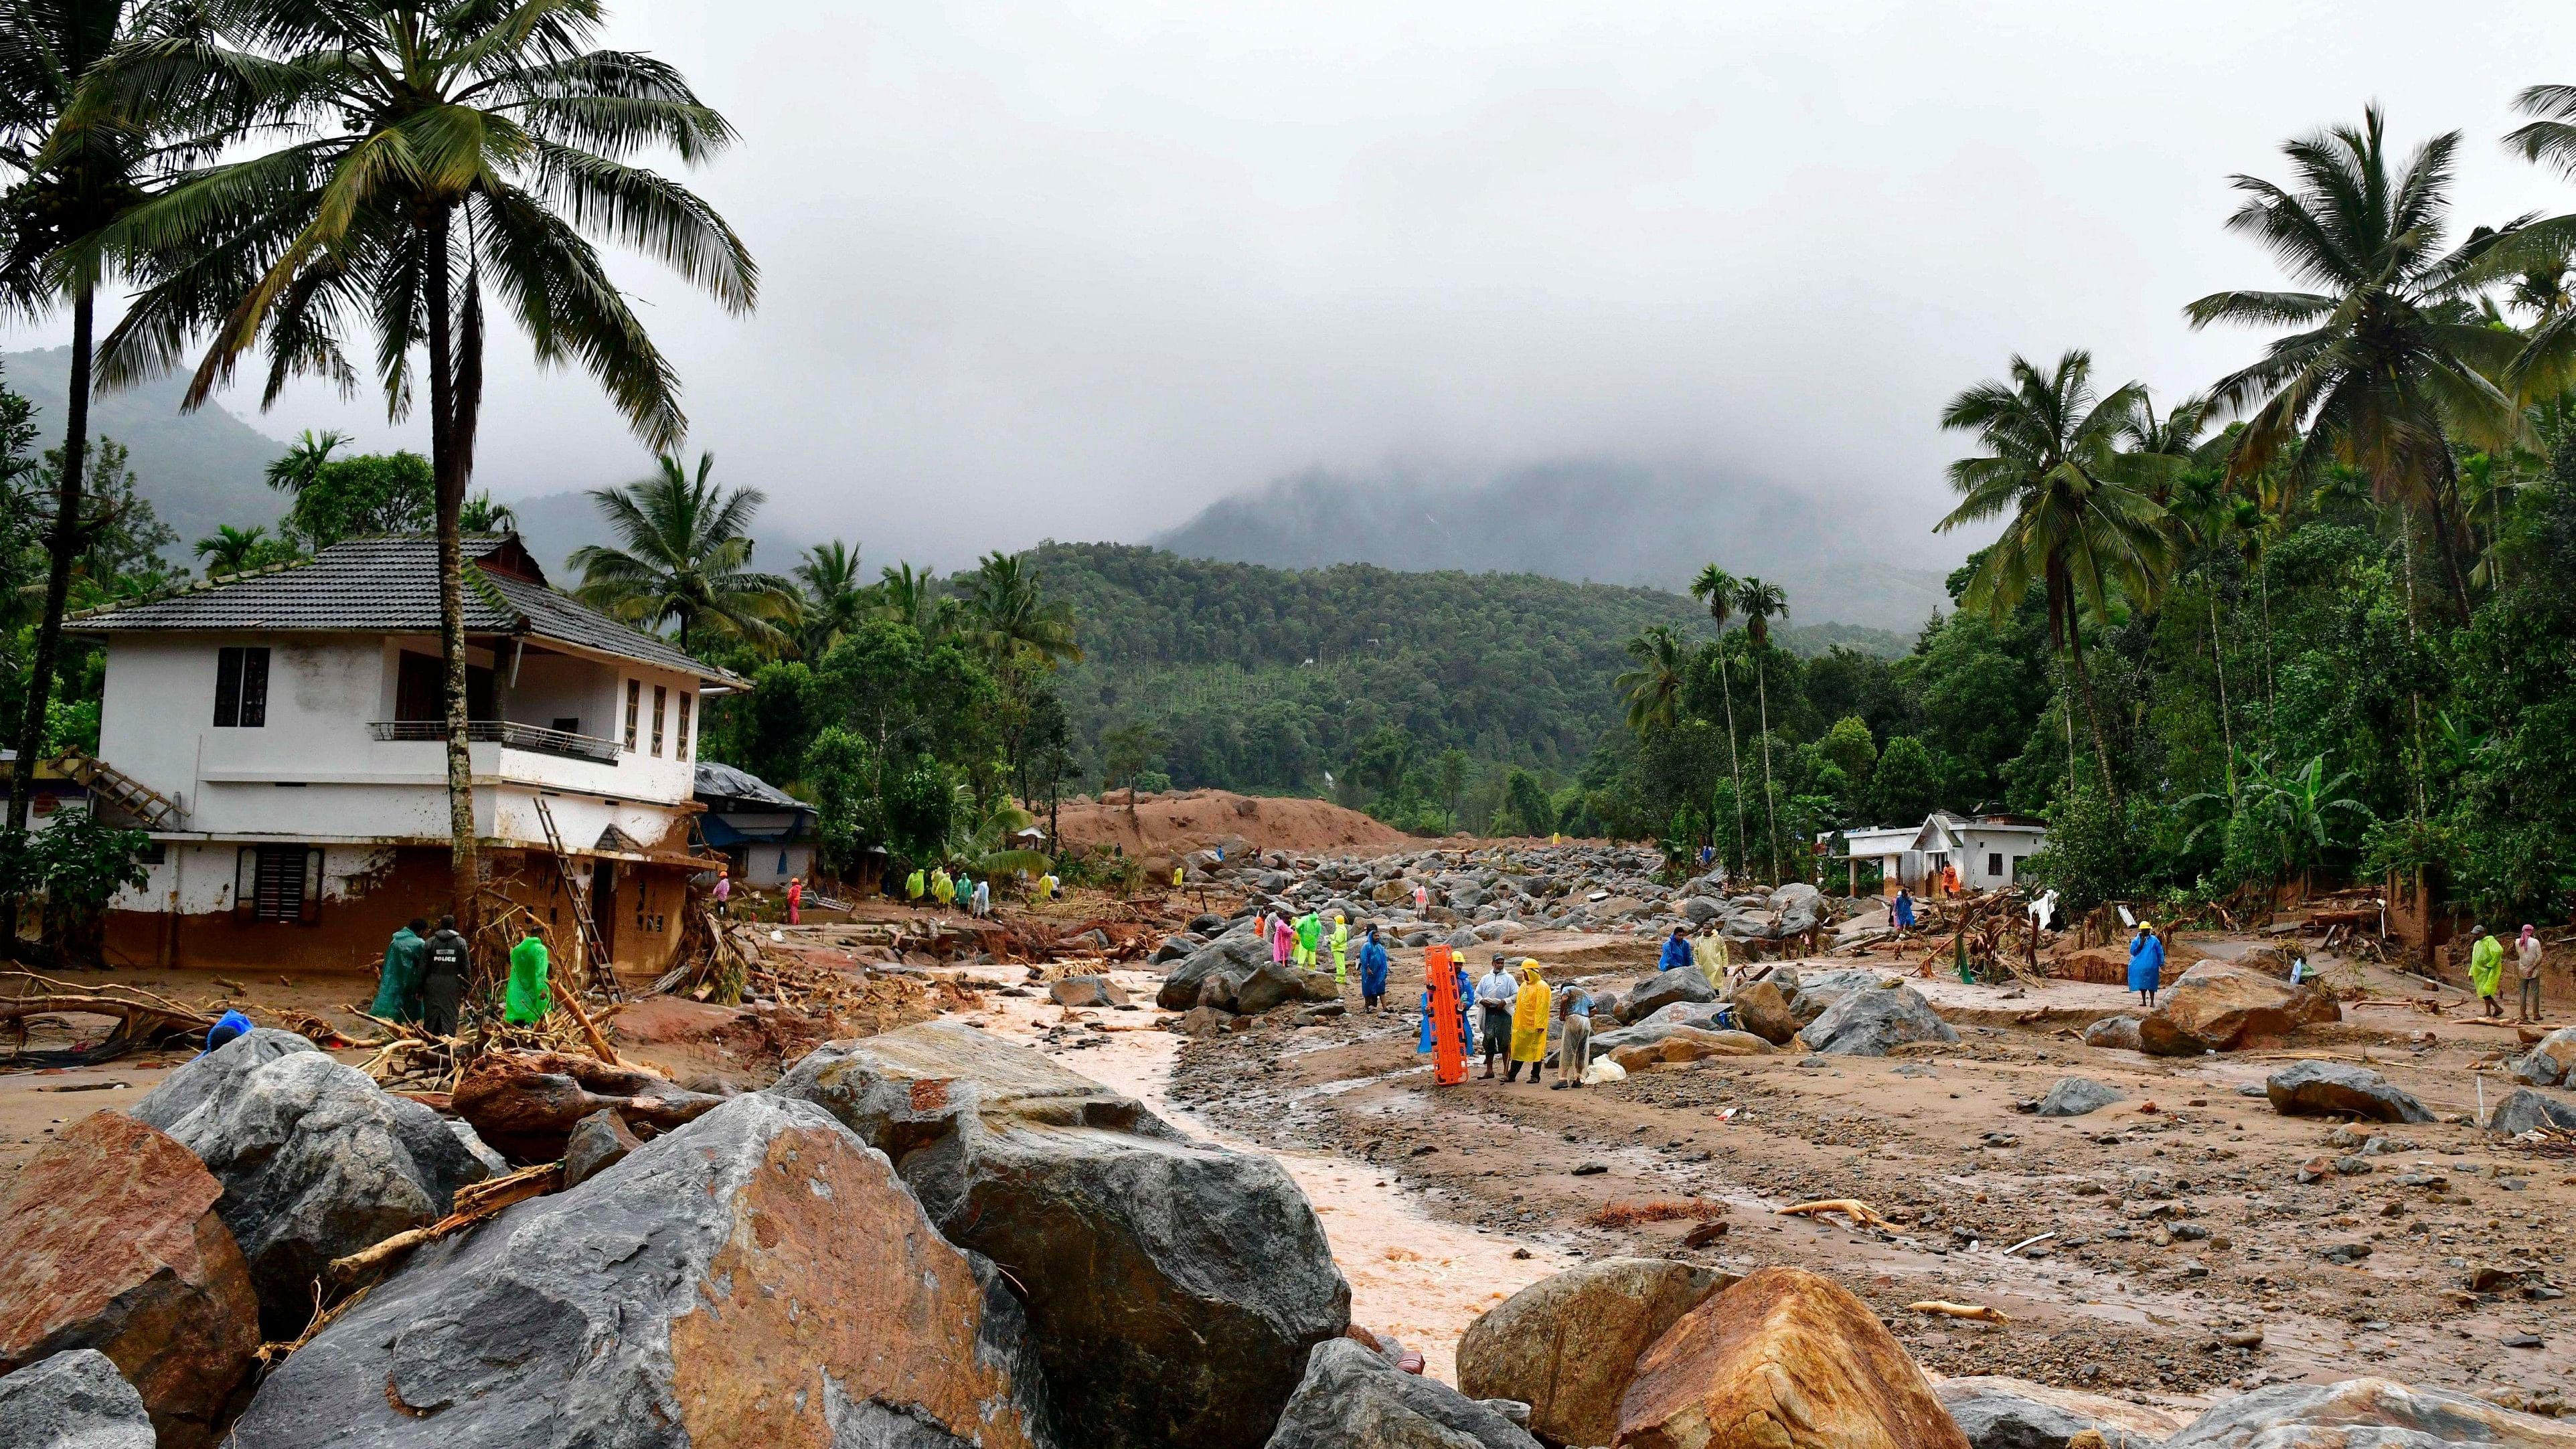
(509, 734)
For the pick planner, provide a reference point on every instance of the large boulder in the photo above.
(213, 1075)
(316, 1162)
(1786, 1359)
(1665, 988)
(2075, 1096)
(1674, 1046)
(1763, 1009)
(1816, 991)
(1351, 1398)
(1567, 1345)
(755, 1277)
(112, 1243)
(2549, 1061)
(2114, 1033)
(2008, 1413)
(2327, 1089)
(1873, 1022)
(1173, 1286)
(2516, 1114)
(2228, 1008)
(2366, 1414)
(72, 1400)
(1214, 972)
(1091, 991)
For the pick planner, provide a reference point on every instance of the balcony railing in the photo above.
(510, 734)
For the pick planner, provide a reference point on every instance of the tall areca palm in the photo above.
(69, 178)
(2390, 356)
(2075, 520)
(913, 597)
(686, 559)
(1021, 628)
(229, 550)
(1760, 603)
(1654, 687)
(1716, 588)
(835, 601)
(429, 152)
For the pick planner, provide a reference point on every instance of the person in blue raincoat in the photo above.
(1373, 969)
(1466, 1011)
(1677, 952)
(1904, 909)
(2146, 965)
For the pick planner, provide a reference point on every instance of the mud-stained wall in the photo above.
(368, 893)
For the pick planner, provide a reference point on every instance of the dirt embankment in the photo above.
(1178, 822)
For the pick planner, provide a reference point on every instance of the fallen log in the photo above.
(132, 1013)
(1981, 1312)
(475, 1202)
(525, 1103)
(1853, 1208)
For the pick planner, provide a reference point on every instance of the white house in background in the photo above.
(280, 734)
(1987, 850)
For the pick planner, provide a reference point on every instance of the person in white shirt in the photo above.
(1494, 997)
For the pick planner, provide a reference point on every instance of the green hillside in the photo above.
(1261, 678)
(197, 470)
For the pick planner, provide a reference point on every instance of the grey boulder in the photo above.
(1214, 973)
(2325, 1089)
(1173, 1286)
(1816, 991)
(2007, 1413)
(72, 1400)
(756, 1277)
(1873, 1022)
(1351, 1398)
(2368, 1413)
(1092, 991)
(2527, 1109)
(2549, 1061)
(316, 1161)
(1683, 985)
(2073, 1097)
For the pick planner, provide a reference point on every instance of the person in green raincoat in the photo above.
(398, 988)
(914, 885)
(2486, 971)
(1341, 949)
(527, 999)
(1310, 932)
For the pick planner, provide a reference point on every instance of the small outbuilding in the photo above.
(767, 833)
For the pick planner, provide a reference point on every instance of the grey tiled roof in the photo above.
(390, 585)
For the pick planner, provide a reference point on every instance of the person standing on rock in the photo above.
(1341, 948)
(1574, 1041)
(1421, 899)
(1529, 1024)
(2486, 971)
(528, 996)
(442, 980)
(2146, 964)
(1495, 996)
(2526, 955)
(1310, 939)
(1373, 969)
(1677, 952)
(398, 987)
(1279, 941)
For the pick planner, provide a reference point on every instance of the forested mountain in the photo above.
(1604, 521)
(198, 470)
(1267, 678)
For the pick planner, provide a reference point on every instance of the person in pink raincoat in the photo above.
(1281, 938)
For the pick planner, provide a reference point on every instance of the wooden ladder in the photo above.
(594, 956)
(156, 810)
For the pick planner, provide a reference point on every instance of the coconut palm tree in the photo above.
(2077, 523)
(913, 597)
(685, 560)
(1760, 603)
(1716, 588)
(70, 175)
(835, 601)
(1654, 687)
(1021, 629)
(2390, 357)
(426, 153)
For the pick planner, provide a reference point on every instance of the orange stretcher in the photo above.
(1448, 1029)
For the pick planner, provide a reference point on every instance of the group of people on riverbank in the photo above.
(1510, 1013)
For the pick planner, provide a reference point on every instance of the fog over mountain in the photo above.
(1602, 520)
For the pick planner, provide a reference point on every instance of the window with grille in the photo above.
(687, 698)
(278, 883)
(661, 697)
(634, 702)
(241, 688)
(1995, 865)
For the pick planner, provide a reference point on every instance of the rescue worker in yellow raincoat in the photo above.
(1529, 1024)
(914, 884)
(1341, 948)
(942, 889)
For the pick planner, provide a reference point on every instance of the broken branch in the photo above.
(1982, 1313)
(1853, 1208)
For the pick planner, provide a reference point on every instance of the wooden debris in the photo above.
(475, 1202)
(1853, 1208)
(1981, 1312)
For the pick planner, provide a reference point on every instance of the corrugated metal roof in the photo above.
(390, 585)
(717, 781)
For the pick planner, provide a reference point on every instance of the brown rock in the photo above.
(1786, 1359)
(1567, 1346)
(1764, 1011)
(112, 1243)
(1689, 1044)
(2226, 1008)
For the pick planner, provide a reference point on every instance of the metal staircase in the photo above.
(137, 800)
(594, 956)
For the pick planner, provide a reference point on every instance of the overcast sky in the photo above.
(1038, 270)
